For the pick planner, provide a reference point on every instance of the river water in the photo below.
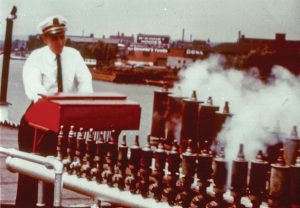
(143, 94)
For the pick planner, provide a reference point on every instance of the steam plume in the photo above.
(259, 108)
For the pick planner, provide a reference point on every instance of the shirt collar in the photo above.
(52, 56)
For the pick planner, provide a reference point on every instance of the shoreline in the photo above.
(164, 77)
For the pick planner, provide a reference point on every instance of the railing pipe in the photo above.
(49, 162)
(40, 198)
(83, 186)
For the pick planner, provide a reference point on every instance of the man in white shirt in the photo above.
(50, 69)
(40, 69)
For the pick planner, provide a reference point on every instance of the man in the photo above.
(50, 69)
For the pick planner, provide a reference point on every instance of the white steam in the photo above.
(259, 108)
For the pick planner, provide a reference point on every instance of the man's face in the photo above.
(56, 42)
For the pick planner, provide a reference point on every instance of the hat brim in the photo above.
(54, 30)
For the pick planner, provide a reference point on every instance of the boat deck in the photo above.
(8, 180)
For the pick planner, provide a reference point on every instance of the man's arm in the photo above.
(32, 79)
(83, 75)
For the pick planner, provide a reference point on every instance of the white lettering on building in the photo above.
(155, 50)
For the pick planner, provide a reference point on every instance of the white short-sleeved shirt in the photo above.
(40, 72)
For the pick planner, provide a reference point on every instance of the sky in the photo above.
(217, 20)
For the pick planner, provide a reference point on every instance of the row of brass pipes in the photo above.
(178, 177)
(186, 118)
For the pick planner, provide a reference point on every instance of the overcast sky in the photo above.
(218, 20)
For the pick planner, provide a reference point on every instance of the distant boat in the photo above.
(90, 62)
(108, 77)
(19, 56)
(167, 83)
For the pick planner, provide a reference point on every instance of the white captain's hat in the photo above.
(53, 25)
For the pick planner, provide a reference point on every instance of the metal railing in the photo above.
(29, 160)
(38, 167)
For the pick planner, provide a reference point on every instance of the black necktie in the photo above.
(59, 74)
